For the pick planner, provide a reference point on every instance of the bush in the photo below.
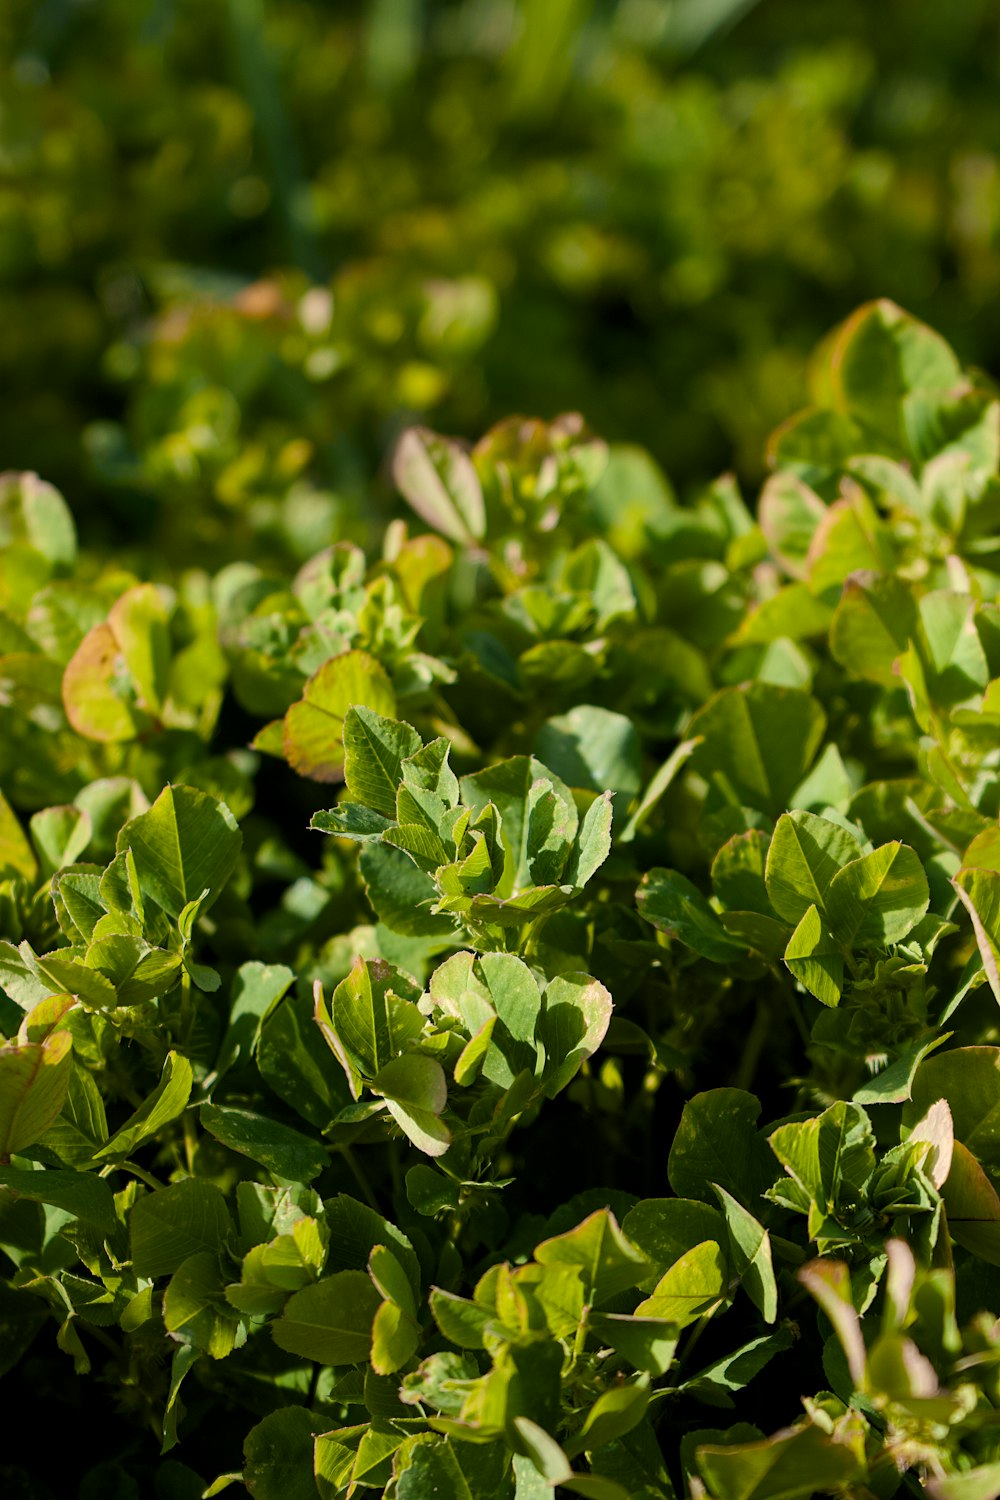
(602, 1095)
(607, 209)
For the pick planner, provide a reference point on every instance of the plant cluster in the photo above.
(645, 213)
(600, 1093)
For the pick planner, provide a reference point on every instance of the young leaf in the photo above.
(804, 855)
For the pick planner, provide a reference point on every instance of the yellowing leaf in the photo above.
(34, 1080)
(313, 733)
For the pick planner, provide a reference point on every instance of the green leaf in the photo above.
(140, 624)
(296, 1062)
(313, 732)
(969, 1079)
(647, 1343)
(352, 822)
(184, 1219)
(395, 1338)
(664, 1229)
(82, 1127)
(435, 1469)
(874, 623)
(790, 514)
(608, 1262)
(195, 1309)
(330, 1322)
(21, 1316)
(283, 1151)
(831, 1152)
(34, 1081)
(430, 1192)
(391, 1280)
(877, 899)
(167, 1101)
(186, 844)
(278, 1456)
(86, 1197)
(815, 959)
(374, 750)
(804, 855)
(878, 357)
(673, 905)
(355, 1230)
(894, 1084)
(508, 786)
(414, 1080)
(733, 1371)
(460, 1320)
(421, 1126)
(98, 704)
(951, 652)
(759, 740)
(750, 1254)
(972, 1206)
(795, 1464)
(256, 988)
(592, 748)
(545, 1453)
(16, 855)
(416, 1091)
(979, 892)
(691, 1287)
(373, 1015)
(438, 479)
(981, 1483)
(738, 873)
(717, 1144)
(593, 842)
(516, 998)
(658, 785)
(403, 896)
(572, 1025)
(46, 519)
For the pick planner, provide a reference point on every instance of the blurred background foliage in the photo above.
(243, 242)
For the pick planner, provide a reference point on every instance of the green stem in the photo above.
(582, 1329)
(359, 1176)
(136, 1170)
(791, 1000)
(692, 1343)
(754, 1047)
